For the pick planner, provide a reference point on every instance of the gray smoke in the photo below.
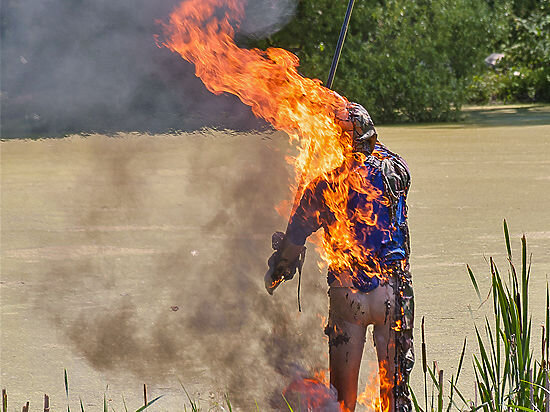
(73, 66)
(198, 212)
(266, 17)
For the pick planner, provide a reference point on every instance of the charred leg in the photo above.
(346, 342)
(346, 336)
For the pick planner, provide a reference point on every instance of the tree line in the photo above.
(422, 60)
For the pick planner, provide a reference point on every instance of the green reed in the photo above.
(508, 376)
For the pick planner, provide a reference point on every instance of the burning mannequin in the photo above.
(376, 287)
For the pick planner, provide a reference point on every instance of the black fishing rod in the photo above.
(339, 45)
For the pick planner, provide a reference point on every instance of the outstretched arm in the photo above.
(289, 247)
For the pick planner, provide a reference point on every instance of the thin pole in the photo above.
(339, 45)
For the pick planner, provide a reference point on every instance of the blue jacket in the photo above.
(387, 241)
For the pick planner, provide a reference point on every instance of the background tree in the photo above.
(419, 60)
(523, 75)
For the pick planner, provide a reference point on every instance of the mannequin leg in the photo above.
(346, 343)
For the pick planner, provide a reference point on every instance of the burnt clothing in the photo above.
(403, 328)
(377, 213)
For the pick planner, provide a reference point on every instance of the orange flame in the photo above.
(322, 376)
(317, 393)
(202, 32)
(378, 385)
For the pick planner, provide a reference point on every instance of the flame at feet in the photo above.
(313, 394)
(317, 394)
(378, 390)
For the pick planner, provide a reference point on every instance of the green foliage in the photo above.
(421, 60)
(517, 84)
(528, 53)
(403, 60)
(523, 75)
(507, 374)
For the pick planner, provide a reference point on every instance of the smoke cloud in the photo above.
(178, 232)
(83, 66)
(166, 277)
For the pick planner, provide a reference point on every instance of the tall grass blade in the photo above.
(452, 382)
(81, 406)
(424, 366)
(474, 282)
(537, 386)
(524, 281)
(547, 388)
(149, 404)
(460, 361)
(462, 397)
(507, 239)
(434, 383)
(432, 374)
(417, 407)
(67, 389)
(287, 404)
(547, 326)
(66, 383)
(521, 408)
(228, 403)
(194, 405)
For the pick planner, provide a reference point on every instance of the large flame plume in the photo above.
(202, 32)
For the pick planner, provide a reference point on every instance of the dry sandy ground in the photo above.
(139, 259)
